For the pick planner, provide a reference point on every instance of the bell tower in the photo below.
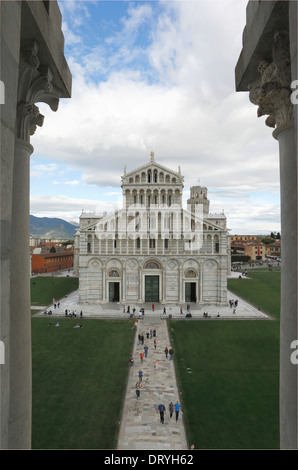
(198, 195)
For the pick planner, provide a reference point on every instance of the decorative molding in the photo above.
(272, 92)
(35, 85)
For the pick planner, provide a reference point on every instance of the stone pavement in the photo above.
(141, 428)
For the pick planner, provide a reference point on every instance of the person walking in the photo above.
(171, 409)
(146, 350)
(166, 352)
(171, 352)
(162, 409)
(155, 344)
(141, 356)
(138, 389)
(177, 409)
(140, 375)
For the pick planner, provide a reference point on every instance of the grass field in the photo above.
(45, 288)
(79, 382)
(228, 372)
(261, 289)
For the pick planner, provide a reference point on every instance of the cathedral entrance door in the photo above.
(190, 292)
(152, 288)
(114, 291)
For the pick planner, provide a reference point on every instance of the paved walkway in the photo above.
(141, 428)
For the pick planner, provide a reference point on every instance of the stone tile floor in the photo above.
(141, 428)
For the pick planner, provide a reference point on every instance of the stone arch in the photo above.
(94, 263)
(210, 264)
(114, 273)
(190, 274)
(114, 263)
(152, 264)
(191, 264)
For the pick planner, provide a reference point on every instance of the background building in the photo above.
(52, 260)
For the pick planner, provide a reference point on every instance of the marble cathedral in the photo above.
(152, 249)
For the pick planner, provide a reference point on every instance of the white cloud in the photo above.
(184, 108)
(72, 183)
(68, 208)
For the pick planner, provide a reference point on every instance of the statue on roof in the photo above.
(152, 156)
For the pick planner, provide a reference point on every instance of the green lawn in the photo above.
(45, 288)
(228, 372)
(262, 289)
(79, 382)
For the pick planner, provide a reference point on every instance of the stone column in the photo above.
(272, 94)
(124, 285)
(34, 85)
(19, 436)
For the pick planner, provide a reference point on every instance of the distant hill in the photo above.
(48, 227)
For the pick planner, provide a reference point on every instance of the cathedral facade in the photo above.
(152, 249)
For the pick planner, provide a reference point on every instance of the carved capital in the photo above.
(35, 85)
(272, 92)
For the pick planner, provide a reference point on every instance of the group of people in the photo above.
(72, 313)
(169, 352)
(132, 313)
(172, 407)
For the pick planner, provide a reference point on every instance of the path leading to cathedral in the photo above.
(141, 428)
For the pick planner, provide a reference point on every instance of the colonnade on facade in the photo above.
(148, 197)
(210, 243)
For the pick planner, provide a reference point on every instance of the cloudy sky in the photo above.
(155, 76)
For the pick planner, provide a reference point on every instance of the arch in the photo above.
(152, 264)
(210, 264)
(191, 264)
(191, 274)
(114, 263)
(113, 273)
(94, 263)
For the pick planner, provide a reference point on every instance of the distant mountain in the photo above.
(47, 227)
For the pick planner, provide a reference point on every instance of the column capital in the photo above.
(272, 91)
(35, 85)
